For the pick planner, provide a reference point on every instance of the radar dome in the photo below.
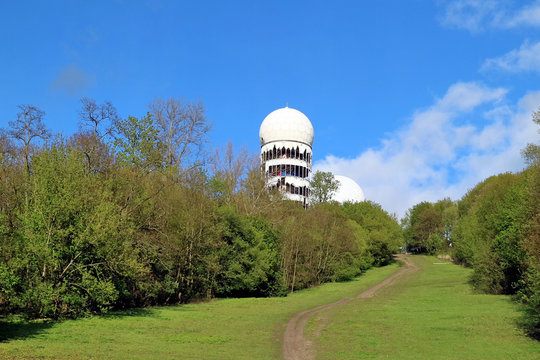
(286, 124)
(348, 191)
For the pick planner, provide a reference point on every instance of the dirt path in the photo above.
(297, 347)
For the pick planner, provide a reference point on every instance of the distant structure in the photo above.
(286, 138)
(348, 191)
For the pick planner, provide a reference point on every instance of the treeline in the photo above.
(131, 212)
(495, 229)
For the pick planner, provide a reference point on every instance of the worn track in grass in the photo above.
(297, 347)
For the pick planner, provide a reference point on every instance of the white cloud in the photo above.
(466, 96)
(472, 15)
(479, 15)
(528, 15)
(438, 154)
(526, 58)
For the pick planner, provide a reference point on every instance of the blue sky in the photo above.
(415, 100)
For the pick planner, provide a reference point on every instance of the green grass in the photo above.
(431, 314)
(221, 329)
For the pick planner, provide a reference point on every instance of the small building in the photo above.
(286, 137)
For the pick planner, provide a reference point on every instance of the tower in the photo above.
(286, 139)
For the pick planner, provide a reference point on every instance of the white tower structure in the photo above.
(286, 139)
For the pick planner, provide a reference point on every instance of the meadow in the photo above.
(429, 314)
(248, 328)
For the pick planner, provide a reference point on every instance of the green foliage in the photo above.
(383, 235)
(89, 229)
(138, 144)
(428, 227)
(529, 295)
(322, 186)
(73, 245)
(332, 242)
(8, 284)
(250, 258)
(531, 153)
(486, 235)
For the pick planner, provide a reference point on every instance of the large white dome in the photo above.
(349, 190)
(286, 124)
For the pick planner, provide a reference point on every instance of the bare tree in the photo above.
(28, 126)
(96, 122)
(231, 168)
(6, 146)
(99, 119)
(96, 152)
(182, 125)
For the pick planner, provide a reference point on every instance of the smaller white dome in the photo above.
(349, 190)
(286, 124)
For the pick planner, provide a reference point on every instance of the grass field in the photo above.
(220, 329)
(430, 314)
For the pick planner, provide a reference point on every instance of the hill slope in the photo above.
(429, 314)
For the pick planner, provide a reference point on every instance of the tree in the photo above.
(76, 250)
(12, 182)
(87, 229)
(248, 256)
(529, 293)
(99, 119)
(531, 153)
(383, 234)
(422, 221)
(182, 127)
(255, 197)
(96, 125)
(138, 143)
(449, 219)
(477, 224)
(229, 169)
(97, 153)
(323, 186)
(28, 126)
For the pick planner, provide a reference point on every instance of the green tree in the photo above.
(529, 287)
(421, 223)
(428, 226)
(384, 236)
(323, 186)
(89, 229)
(138, 143)
(531, 153)
(250, 258)
(53, 248)
(74, 250)
(479, 211)
(449, 220)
